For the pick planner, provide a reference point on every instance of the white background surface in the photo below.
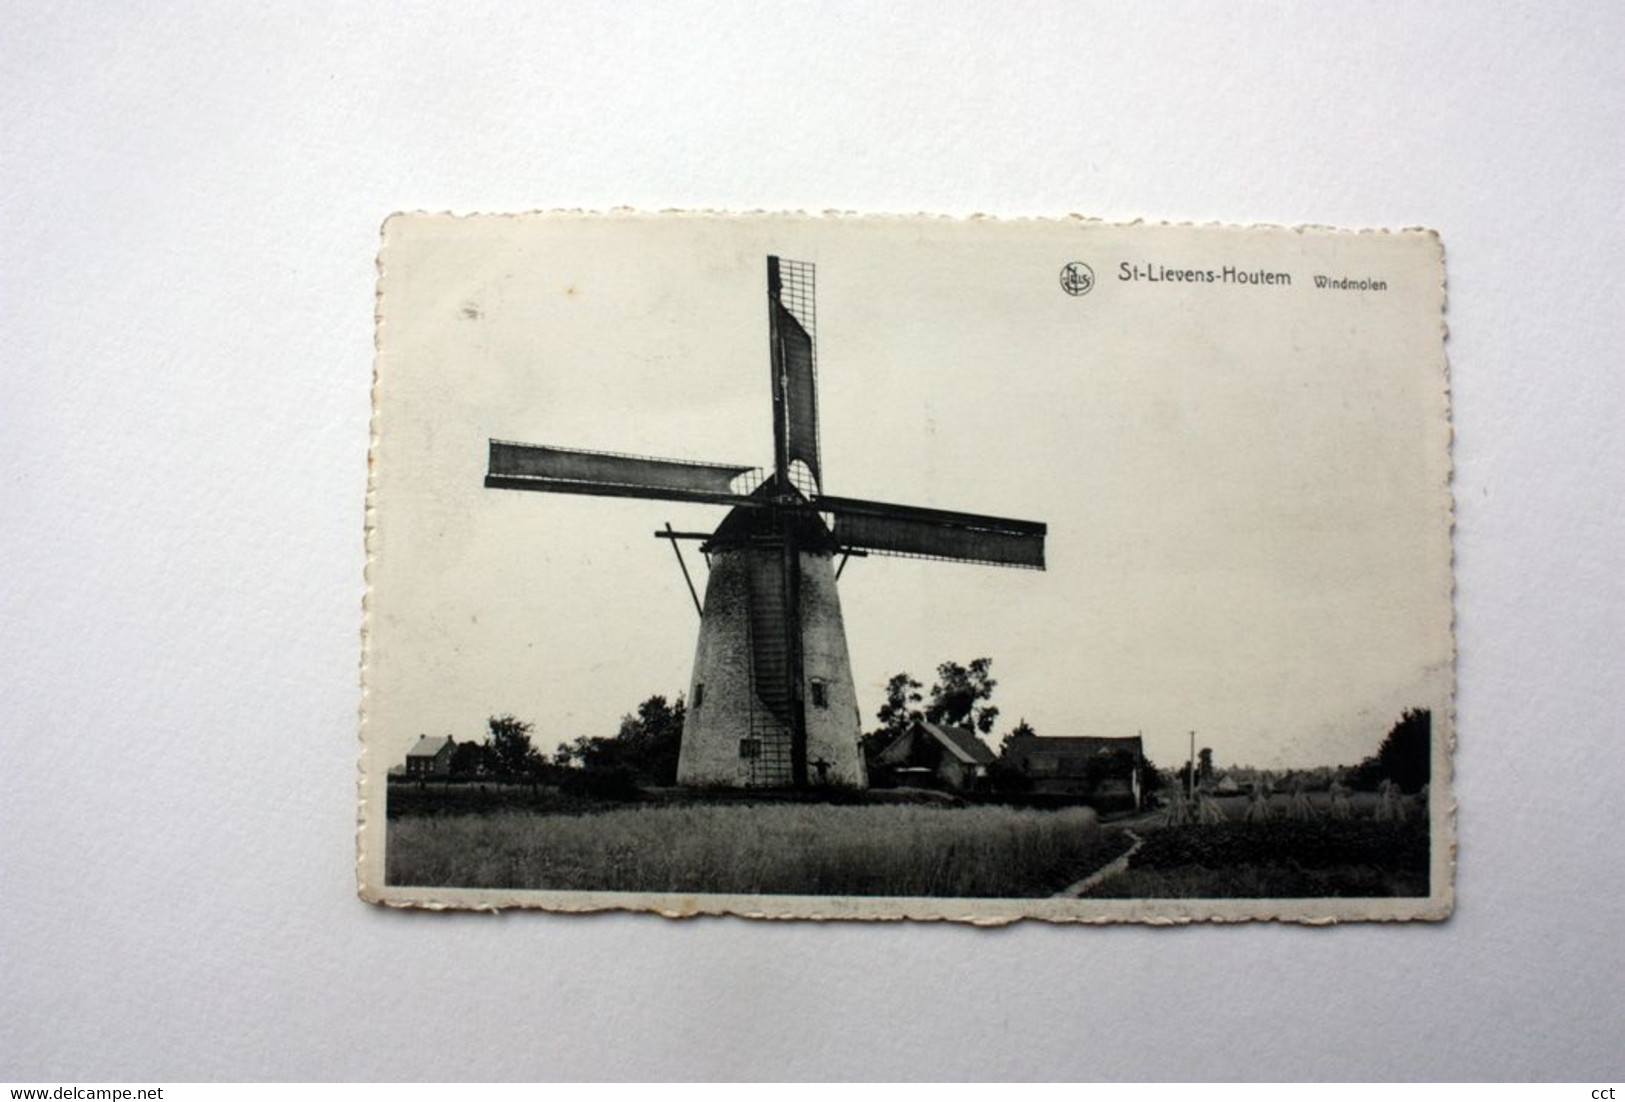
(191, 201)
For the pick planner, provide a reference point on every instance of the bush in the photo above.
(615, 783)
(1278, 859)
(1311, 844)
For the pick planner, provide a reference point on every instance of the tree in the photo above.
(651, 740)
(1405, 756)
(956, 695)
(472, 759)
(898, 714)
(1004, 774)
(645, 748)
(510, 746)
(1022, 729)
(1151, 778)
(1204, 764)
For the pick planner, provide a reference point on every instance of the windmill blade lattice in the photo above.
(515, 466)
(793, 325)
(910, 532)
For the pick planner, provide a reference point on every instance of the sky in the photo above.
(1246, 485)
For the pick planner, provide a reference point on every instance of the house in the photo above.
(1100, 768)
(431, 757)
(931, 754)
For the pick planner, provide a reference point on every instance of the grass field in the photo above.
(1362, 804)
(773, 849)
(1280, 859)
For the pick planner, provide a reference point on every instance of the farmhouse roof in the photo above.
(428, 747)
(1072, 745)
(961, 742)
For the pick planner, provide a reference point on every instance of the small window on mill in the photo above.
(699, 694)
(820, 693)
(750, 748)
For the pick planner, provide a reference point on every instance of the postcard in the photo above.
(853, 567)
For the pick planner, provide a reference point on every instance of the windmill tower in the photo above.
(771, 700)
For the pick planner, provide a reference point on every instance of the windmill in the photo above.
(771, 701)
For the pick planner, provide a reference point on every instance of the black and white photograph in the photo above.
(720, 542)
(908, 567)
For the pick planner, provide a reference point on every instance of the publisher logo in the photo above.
(1077, 278)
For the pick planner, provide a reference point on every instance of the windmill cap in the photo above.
(747, 524)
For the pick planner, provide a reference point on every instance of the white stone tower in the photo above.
(753, 718)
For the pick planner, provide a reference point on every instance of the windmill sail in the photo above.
(607, 474)
(793, 330)
(884, 529)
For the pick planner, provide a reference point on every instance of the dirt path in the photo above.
(1105, 872)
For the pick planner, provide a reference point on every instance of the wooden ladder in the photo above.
(770, 681)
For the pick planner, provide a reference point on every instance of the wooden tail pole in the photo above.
(675, 550)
